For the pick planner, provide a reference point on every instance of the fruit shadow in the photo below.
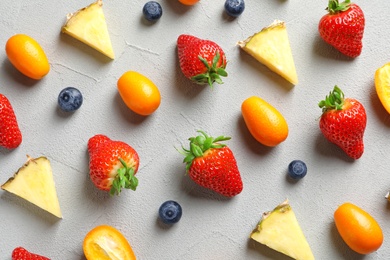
(323, 49)
(17, 76)
(126, 113)
(342, 248)
(328, 149)
(264, 70)
(379, 110)
(265, 251)
(249, 140)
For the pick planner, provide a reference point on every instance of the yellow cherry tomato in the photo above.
(27, 56)
(139, 93)
(107, 243)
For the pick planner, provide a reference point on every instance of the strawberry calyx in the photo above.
(125, 178)
(335, 7)
(213, 73)
(199, 145)
(334, 101)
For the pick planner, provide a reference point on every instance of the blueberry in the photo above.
(152, 11)
(70, 99)
(234, 7)
(297, 169)
(170, 212)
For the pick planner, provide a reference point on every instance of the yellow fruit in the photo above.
(34, 182)
(107, 243)
(382, 85)
(271, 47)
(266, 124)
(279, 229)
(27, 56)
(139, 93)
(89, 26)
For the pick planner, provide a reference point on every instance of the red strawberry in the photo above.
(202, 61)
(10, 135)
(343, 27)
(212, 165)
(112, 164)
(20, 253)
(343, 122)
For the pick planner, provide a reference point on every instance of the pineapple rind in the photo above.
(271, 47)
(34, 182)
(280, 230)
(89, 26)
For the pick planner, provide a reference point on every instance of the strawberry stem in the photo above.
(213, 73)
(335, 100)
(199, 145)
(335, 7)
(125, 178)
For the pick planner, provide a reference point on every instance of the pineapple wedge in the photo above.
(34, 182)
(89, 26)
(271, 47)
(279, 230)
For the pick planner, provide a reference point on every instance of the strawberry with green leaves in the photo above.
(112, 164)
(212, 165)
(202, 61)
(343, 122)
(343, 27)
(21, 253)
(10, 135)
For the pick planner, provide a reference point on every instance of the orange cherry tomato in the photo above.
(106, 243)
(139, 93)
(359, 230)
(27, 56)
(266, 124)
(188, 2)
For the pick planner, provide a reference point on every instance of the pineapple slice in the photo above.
(279, 230)
(271, 47)
(34, 182)
(89, 26)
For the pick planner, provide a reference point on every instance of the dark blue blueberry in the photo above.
(152, 11)
(234, 7)
(70, 99)
(170, 212)
(297, 169)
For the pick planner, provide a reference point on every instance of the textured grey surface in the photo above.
(211, 227)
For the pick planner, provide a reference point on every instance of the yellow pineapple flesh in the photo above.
(34, 182)
(271, 47)
(279, 229)
(89, 26)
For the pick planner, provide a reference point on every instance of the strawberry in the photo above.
(212, 165)
(21, 253)
(202, 61)
(343, 27)
(112, 164)
(343, 122)
(10, 135)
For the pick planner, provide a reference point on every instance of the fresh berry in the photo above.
(10, 135)
(112, 164)
(202, 61)
(297, 169)
(212, 165)
(170, 212)
(343, 27)
(70, 99)
(234, 7)
(152, 11)
(343, 122)
(20, 253)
